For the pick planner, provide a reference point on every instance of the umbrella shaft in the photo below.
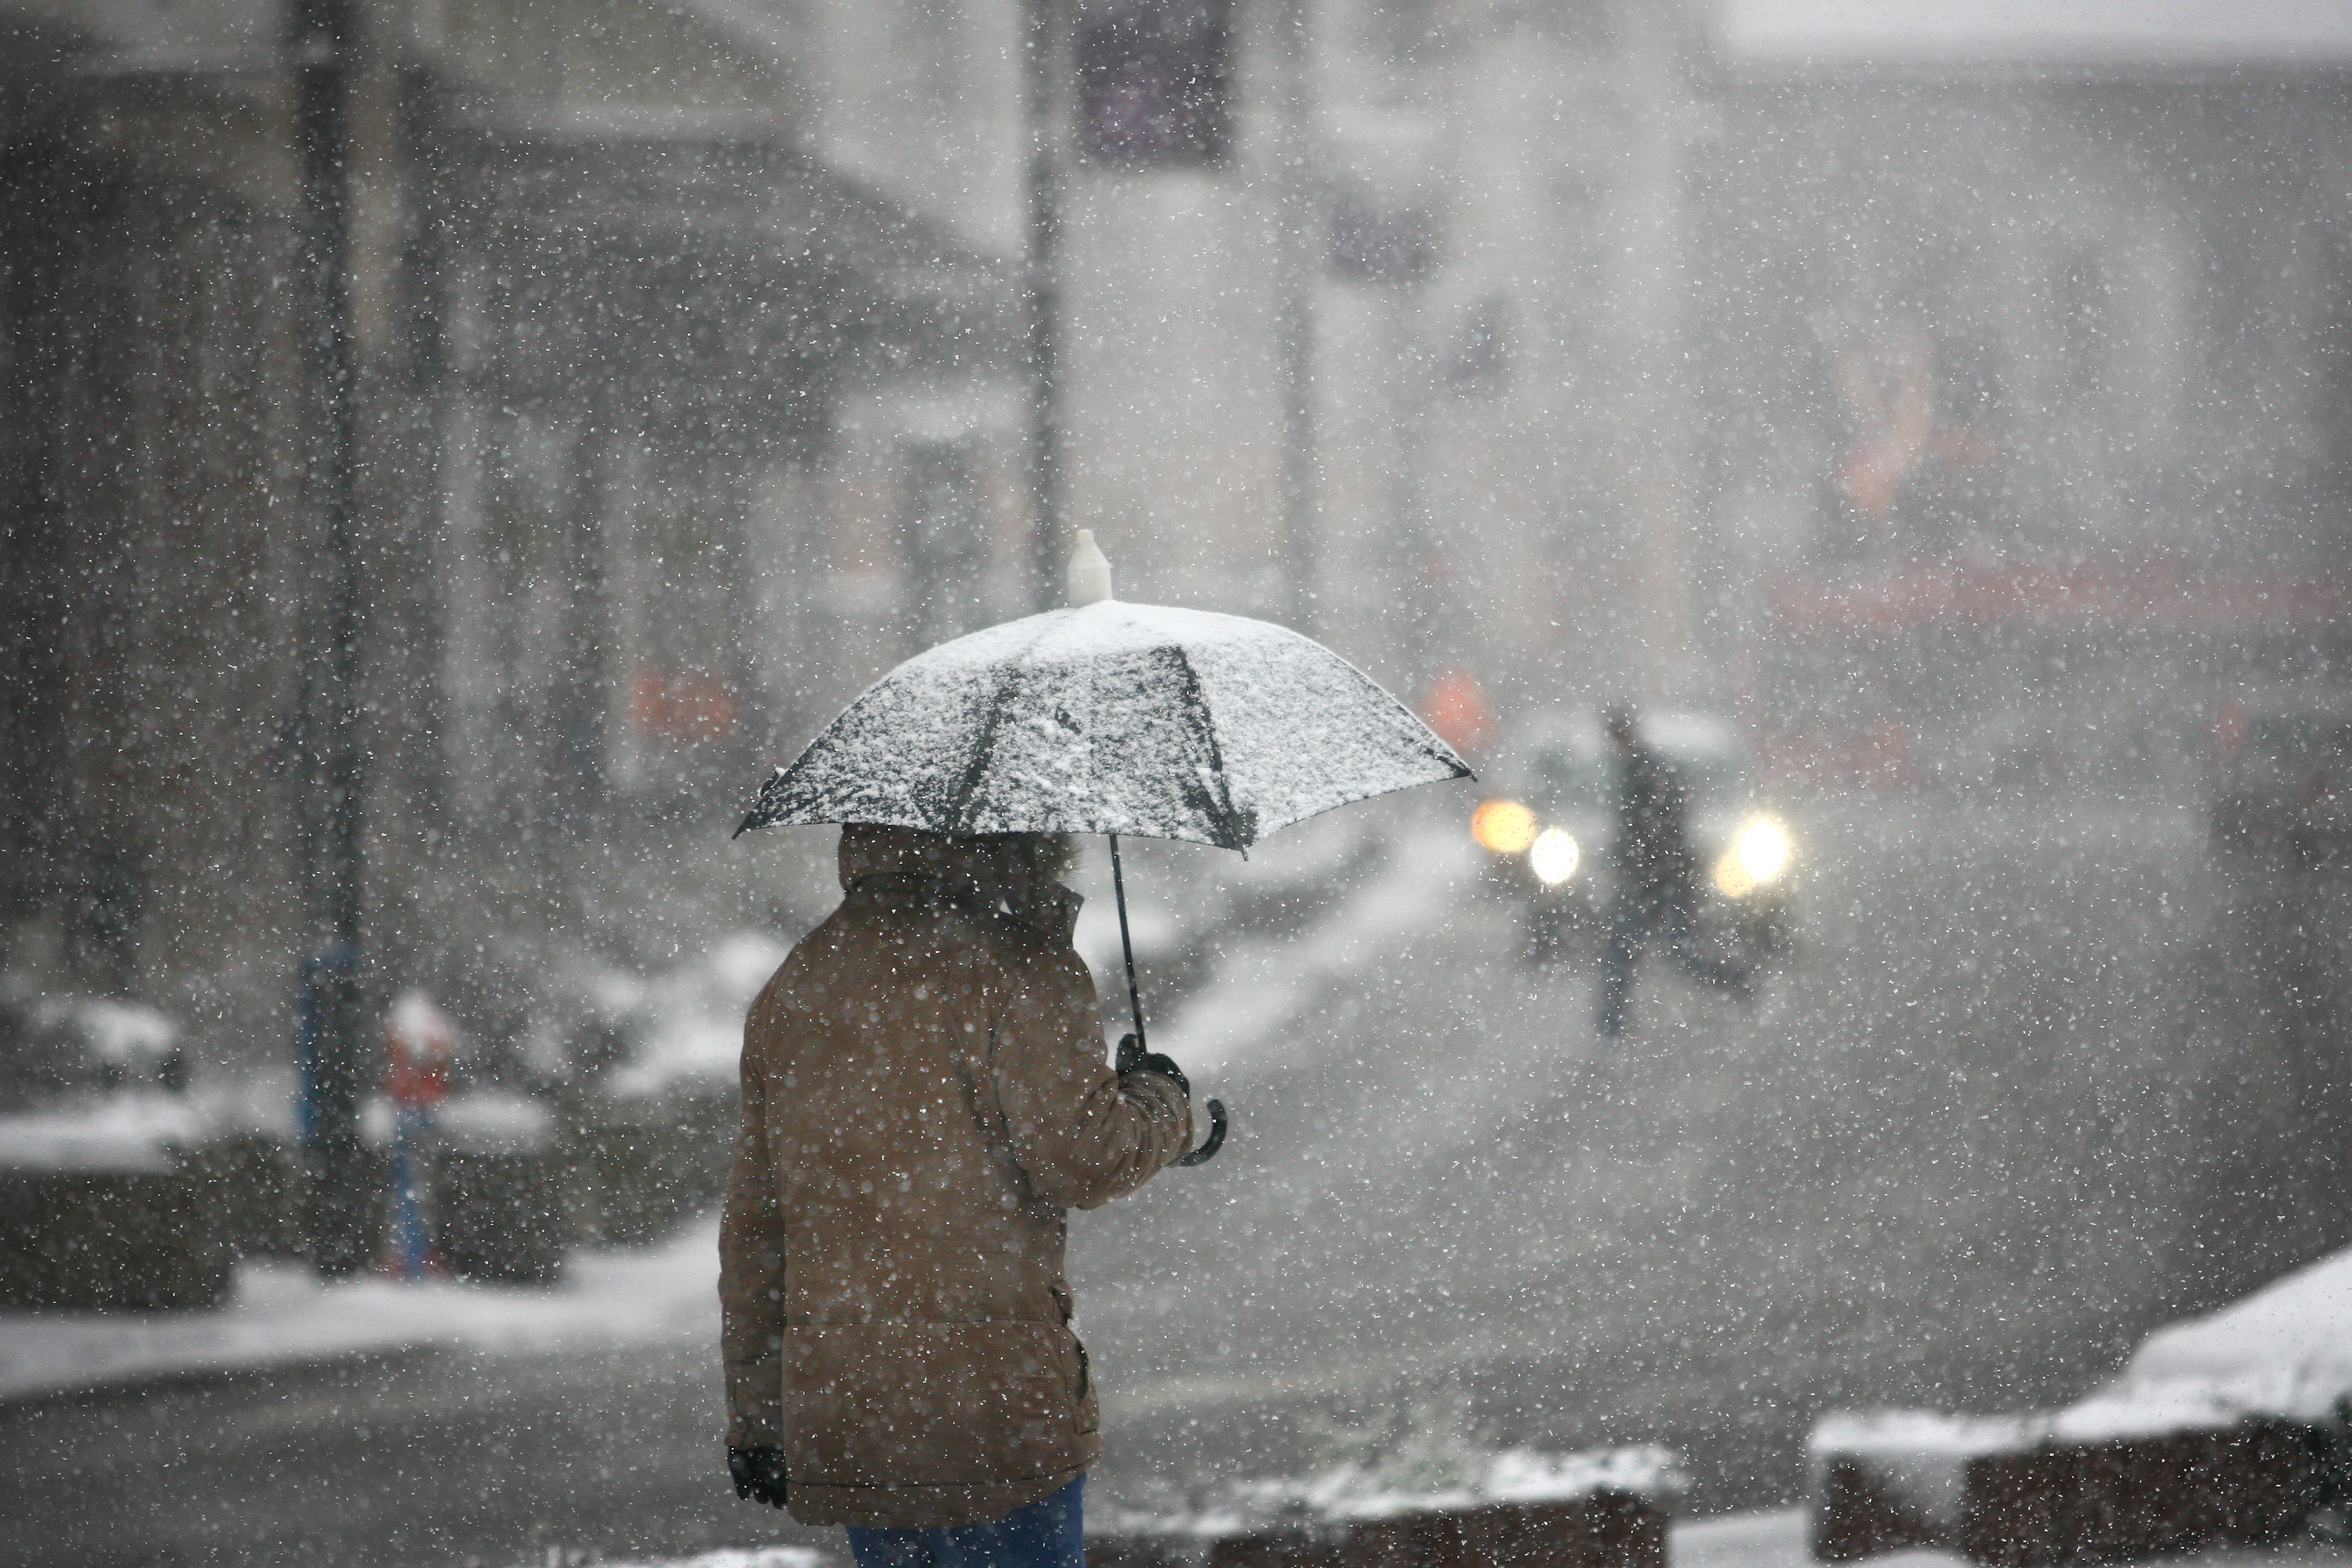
(1126, 946)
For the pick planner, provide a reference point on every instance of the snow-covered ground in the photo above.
(282, 1314)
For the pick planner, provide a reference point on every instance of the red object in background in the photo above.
(418, 1044)
(1456, 709)
(669, 707)
(2230, 728)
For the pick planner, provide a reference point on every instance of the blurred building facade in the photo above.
(607, 310)
(1705, 353)
(2024, 367)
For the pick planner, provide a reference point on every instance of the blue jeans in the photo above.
(1048, 1533)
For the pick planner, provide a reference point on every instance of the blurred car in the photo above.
(2282, 794)
(1548, 831)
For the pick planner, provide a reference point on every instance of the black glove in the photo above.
(1133, 1057)
(759, 1474)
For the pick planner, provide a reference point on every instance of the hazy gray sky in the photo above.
(2184, 31)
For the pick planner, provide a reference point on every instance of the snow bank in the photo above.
(726, 1557)
(688, 1022)
(2284, 1353)
(1515, 1475)
(283, 1314)
(1262, 989)
(2285, 1350)
(1353, 1493)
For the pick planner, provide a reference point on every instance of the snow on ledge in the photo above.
(2282, 1353)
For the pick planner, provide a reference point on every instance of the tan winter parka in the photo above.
(924, 1098)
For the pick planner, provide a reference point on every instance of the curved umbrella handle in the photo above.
(1215, 1141)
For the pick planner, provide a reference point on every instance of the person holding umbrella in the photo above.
(924, 1099)
(925, 1094)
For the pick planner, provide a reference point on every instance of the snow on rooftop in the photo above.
(2168, 34)
(1917, 1431)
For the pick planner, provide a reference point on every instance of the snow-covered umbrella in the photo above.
(1111, 718)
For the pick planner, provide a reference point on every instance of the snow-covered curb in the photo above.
(282, 1314)
(724, 1557)
(1263, 987)
(1350, 1493)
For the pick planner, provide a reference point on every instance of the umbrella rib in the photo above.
(984, 749)
(1197, 702)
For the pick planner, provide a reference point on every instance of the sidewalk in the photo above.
(282, 1314)
(1775, 1540)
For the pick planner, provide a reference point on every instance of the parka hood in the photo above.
(987, 867)
(876, 849)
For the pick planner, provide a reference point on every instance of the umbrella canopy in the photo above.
(1111, 718)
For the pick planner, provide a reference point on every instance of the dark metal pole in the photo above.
(321, 35)
(1294, 313)
(1047, 49)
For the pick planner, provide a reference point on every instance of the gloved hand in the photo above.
(1133, 1057)
(759, 1474)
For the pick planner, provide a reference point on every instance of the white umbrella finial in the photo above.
(1089, 572)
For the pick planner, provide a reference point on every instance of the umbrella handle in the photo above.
(1215, 1141)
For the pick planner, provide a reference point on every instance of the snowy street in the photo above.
(1691, 662)
(1956, 1159)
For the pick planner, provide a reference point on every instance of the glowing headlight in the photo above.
(1503, 827)
(1759, 855)
(1763, 849)
(1553, 857)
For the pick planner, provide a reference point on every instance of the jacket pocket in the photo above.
(1089, 1407)
(897, 1404)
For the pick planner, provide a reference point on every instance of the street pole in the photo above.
(1295, 311)
(1046, 51)
(322, 34)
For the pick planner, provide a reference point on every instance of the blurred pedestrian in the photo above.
(1657, 876)
(924, 1100)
